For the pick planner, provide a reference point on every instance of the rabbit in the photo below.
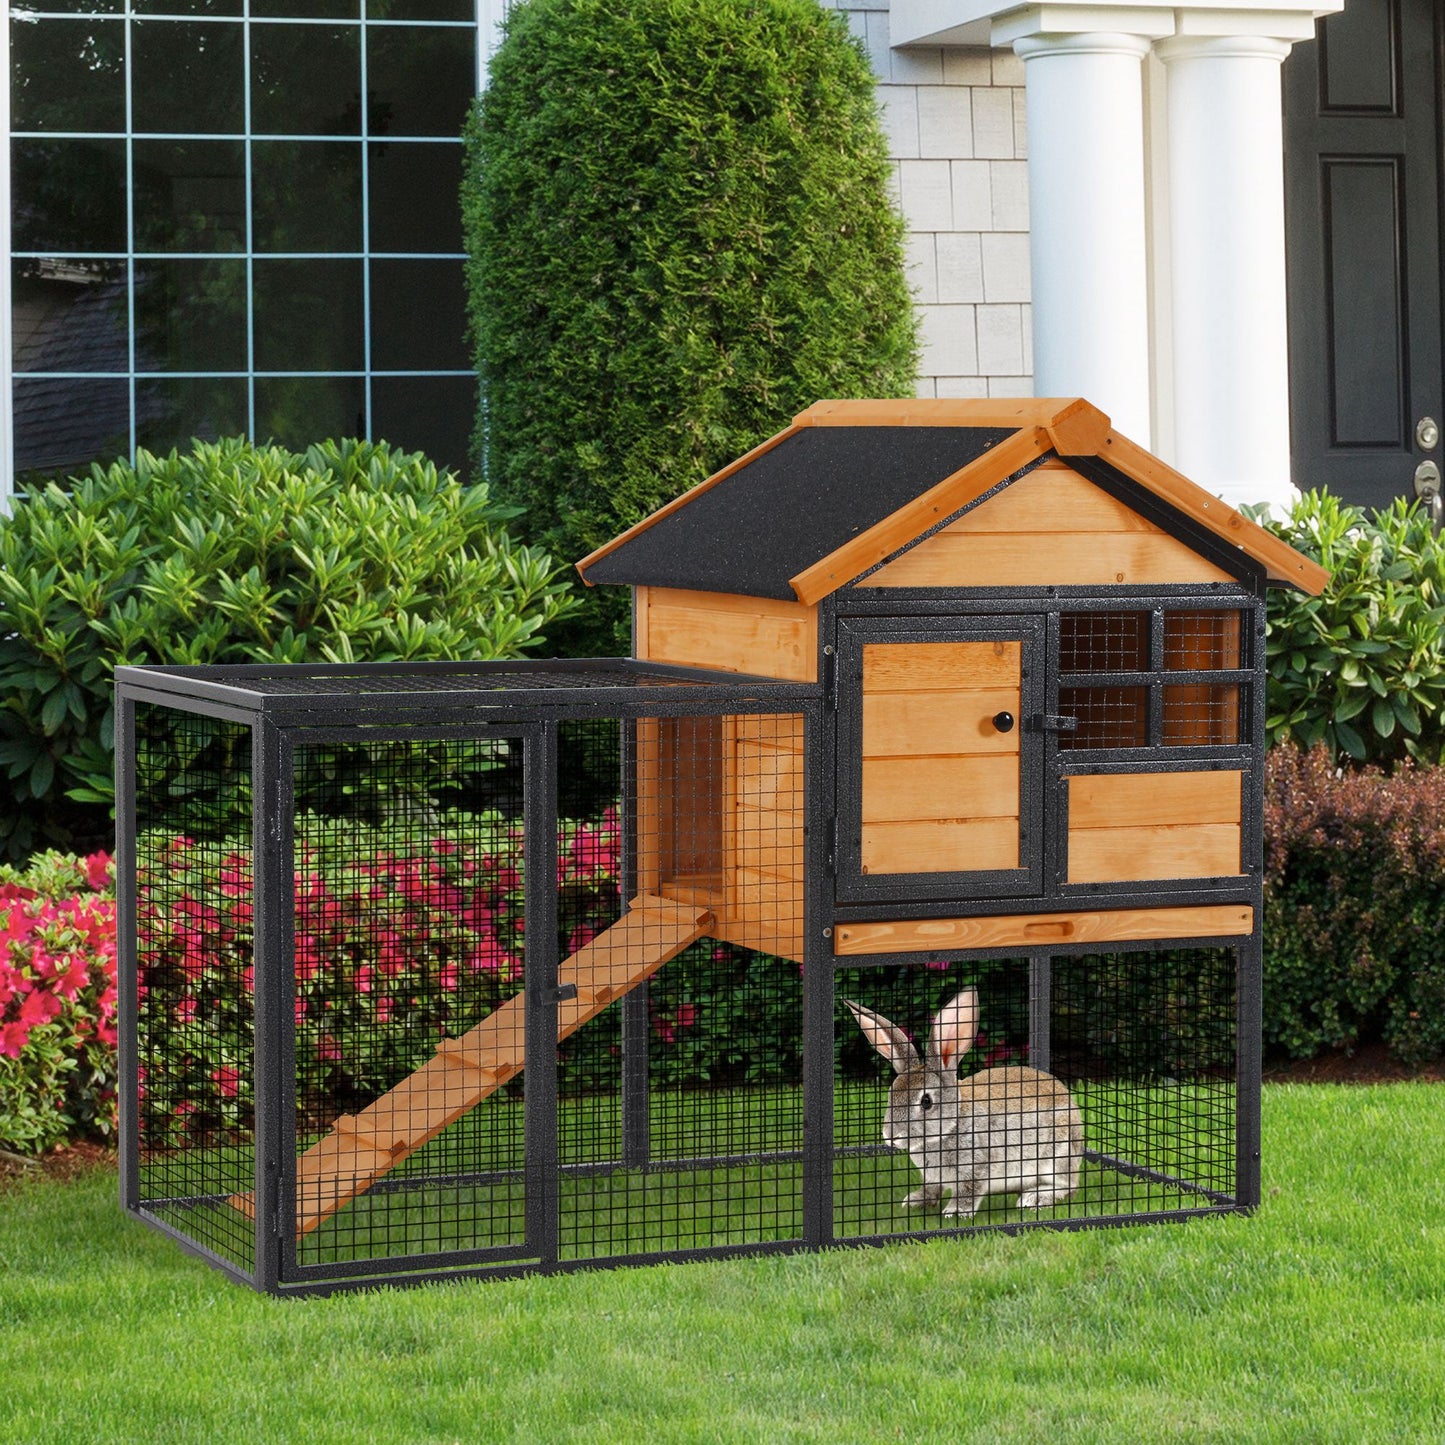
(1002, 1130)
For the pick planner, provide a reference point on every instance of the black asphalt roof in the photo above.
(792, 506)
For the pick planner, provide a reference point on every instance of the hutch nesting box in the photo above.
(946, 710)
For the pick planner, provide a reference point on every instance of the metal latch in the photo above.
(1051, 723)
(561, 993)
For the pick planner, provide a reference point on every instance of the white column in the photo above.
(1084, 96)
(1227, 257)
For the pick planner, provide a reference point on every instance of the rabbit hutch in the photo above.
(938, 757)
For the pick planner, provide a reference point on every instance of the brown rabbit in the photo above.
(992, 1133)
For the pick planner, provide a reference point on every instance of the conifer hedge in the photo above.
(680, 234)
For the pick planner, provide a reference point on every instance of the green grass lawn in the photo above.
(1322, 1318)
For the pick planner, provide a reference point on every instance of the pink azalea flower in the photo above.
(186, 1009)
(98, 872)
(227, 1079)
(13, 1037)
(39, 1008)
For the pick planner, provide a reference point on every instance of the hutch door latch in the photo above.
(1048, 722)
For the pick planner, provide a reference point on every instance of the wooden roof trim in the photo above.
(1281, 562)
(681, 501)
(899, 528)
(1012, 413)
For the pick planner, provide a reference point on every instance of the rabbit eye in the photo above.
(926, 1102)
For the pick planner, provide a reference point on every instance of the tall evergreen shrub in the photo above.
(680, 235)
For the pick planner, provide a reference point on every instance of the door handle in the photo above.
(1427, 433)
(1004, 721)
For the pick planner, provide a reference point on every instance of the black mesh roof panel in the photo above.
(791, 507)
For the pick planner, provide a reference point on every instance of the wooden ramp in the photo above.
(362, 1147)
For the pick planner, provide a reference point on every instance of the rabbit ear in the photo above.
(887, 1038)
(954, 1029)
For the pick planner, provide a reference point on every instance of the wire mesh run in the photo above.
(409, 1011)
(194, 1107)
(1203, 641)
(679, 1113)
(1115, 1098)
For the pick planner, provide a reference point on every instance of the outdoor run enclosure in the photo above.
(946, 767)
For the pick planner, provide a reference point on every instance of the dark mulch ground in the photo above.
(1368, 1064)
(66, 1162)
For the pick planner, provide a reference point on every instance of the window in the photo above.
(237, 216)
(1147, 679)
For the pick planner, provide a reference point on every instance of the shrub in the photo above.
(1361, 668)
(680, 235)
(57, 1002)
(234, 553)
(1354, 906)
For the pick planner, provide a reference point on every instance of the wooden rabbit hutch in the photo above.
(930, 701)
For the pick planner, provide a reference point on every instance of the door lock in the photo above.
(1427, 433)
(1427, 489)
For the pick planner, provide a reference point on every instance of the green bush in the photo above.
(1354, 906)
(1361, 668)
(680, 235)
(234, 553)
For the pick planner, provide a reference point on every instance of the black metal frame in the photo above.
(286, 706)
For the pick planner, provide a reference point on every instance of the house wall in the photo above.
(955, 124)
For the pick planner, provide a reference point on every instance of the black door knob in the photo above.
(1004, 721)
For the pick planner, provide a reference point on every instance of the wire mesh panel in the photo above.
(1133, 1111)
(408, 1006)
(1147, 1045)
(195, 1107)
(679, 1092)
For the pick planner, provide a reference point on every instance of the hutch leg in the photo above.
(1040, 980)
(1249, 989)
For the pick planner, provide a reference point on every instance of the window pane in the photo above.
(418, 316)
(186, 7)
(1198, 641)
(308, 315)
(1103, 641)
(68, 195)
(421, 79)
(307, 195)
(1109, 717)
(305, 80)
(190, 195)
(318, 9)
(188, 77)
(298, 410)
(67, 75)
(172, 411)
(29, 7)
(190, 316)
(421, 10)
(69, 315)
(415, 193)
(63, 426)
(431, 414)
(1208, 716)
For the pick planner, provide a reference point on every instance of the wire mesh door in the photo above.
(408, 1016)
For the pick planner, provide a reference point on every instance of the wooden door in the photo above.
(938, 768)
(1362, 183)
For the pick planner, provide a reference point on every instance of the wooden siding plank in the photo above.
(769, 778)
(1052, 498)
(950, 667)
(916, 789)
(1133, 800)
(1014, 559)
(942, 846)
(1128, 855)
(732, 634)
(927, 935)
(902, 724)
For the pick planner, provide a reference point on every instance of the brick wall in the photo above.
(955, 123)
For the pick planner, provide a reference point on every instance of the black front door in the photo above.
(1362, 182)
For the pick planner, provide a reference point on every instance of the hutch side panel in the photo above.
(728, 632)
